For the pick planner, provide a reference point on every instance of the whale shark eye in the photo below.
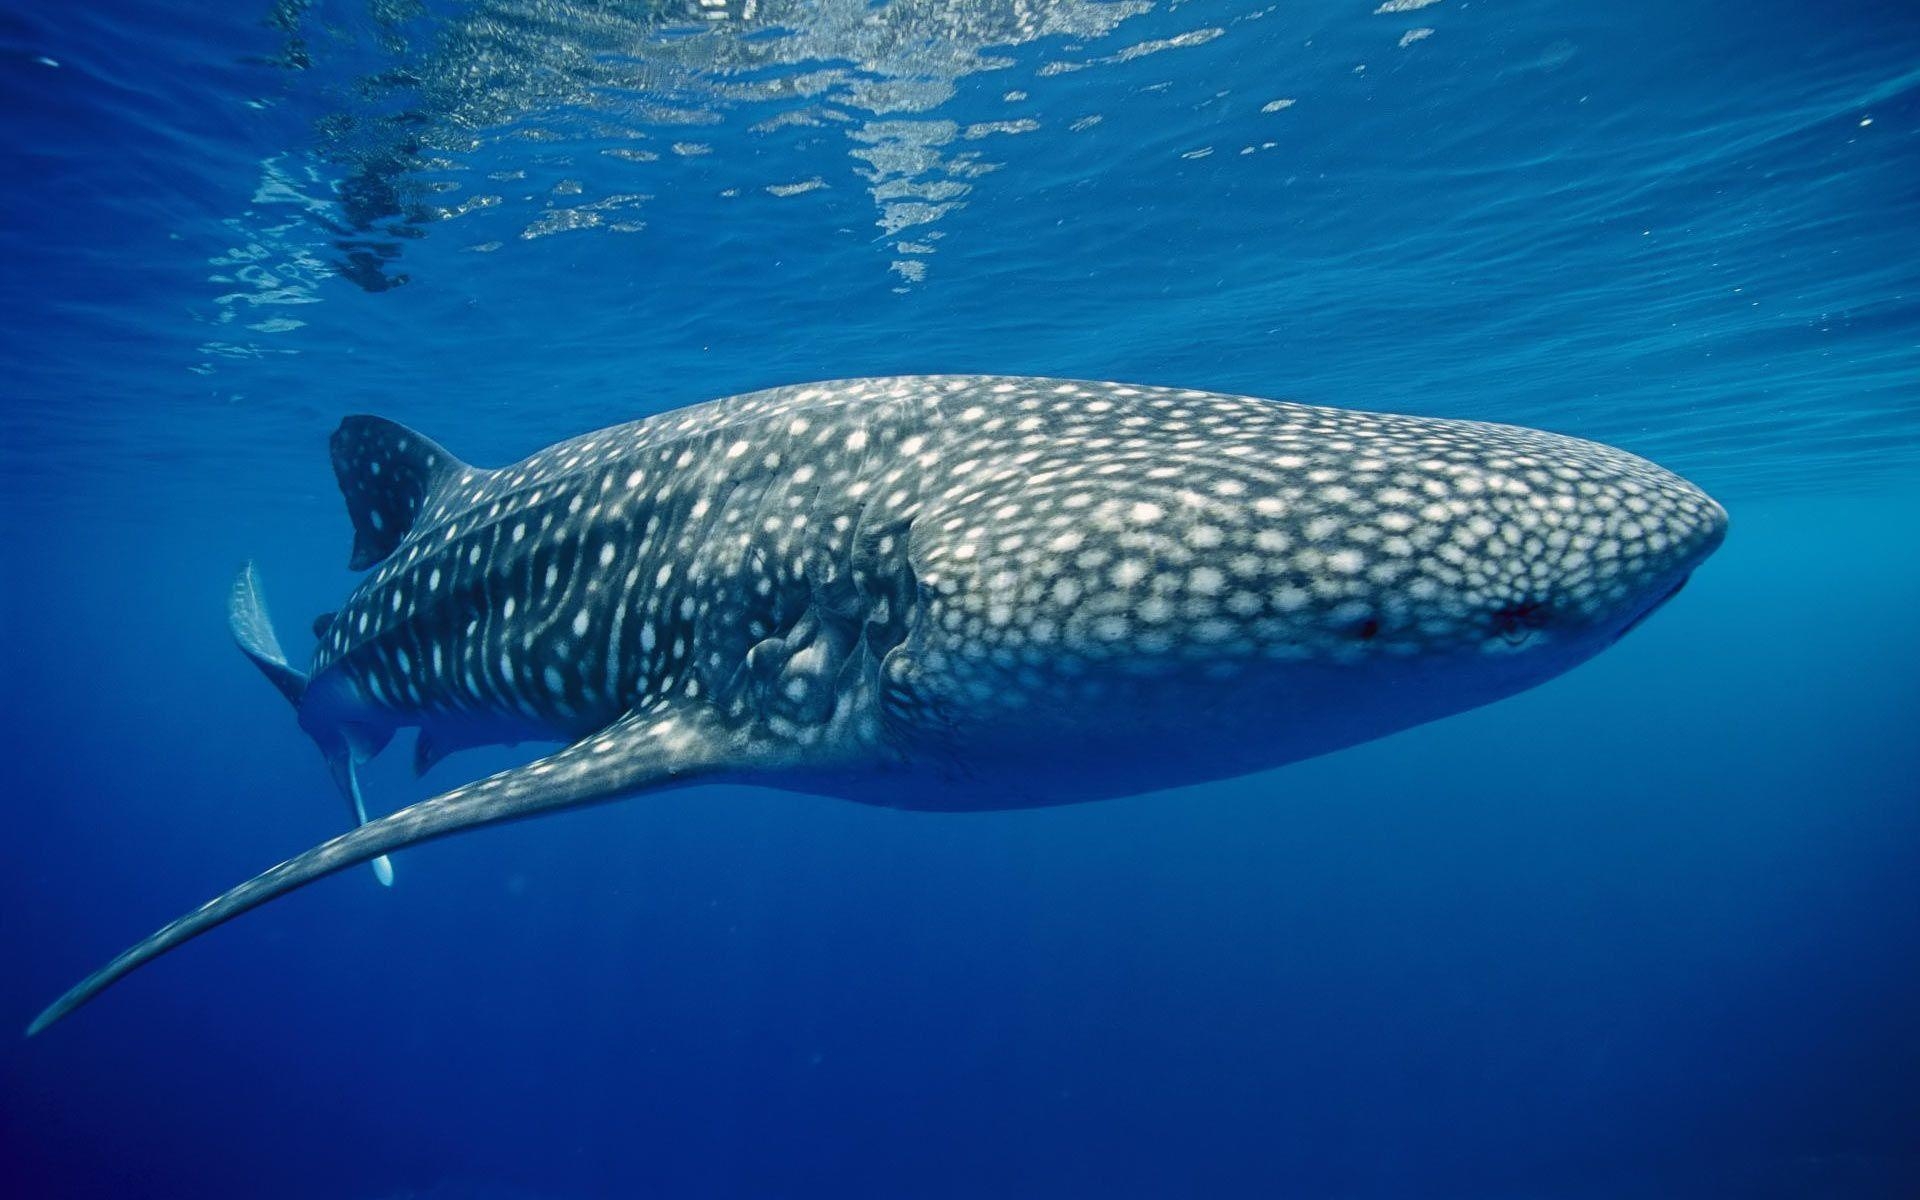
(1518, 622)
(1362, 627)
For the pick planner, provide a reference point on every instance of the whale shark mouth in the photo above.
(1650, 609)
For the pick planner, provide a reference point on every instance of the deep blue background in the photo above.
(1651, 930)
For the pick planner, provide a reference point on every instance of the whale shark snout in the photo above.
(1611, 541)
(1690, 541)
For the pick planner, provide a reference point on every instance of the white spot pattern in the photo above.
(808, 555)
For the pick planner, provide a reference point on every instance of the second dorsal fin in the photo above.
(387, 473)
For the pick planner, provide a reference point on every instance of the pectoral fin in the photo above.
(659, 748)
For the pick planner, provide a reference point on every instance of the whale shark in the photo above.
(946, 593)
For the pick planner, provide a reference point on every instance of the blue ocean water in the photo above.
(1650, 930)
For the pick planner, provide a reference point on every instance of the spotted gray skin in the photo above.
(953, 593)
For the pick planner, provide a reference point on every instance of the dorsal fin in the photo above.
(387, 473)
(322, 623)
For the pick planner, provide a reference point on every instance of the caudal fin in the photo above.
(253, 630)
(641, 750)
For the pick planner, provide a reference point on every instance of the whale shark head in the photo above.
(1440, 568)
(1300, 580)
(1512, 552)
(1433, 569)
